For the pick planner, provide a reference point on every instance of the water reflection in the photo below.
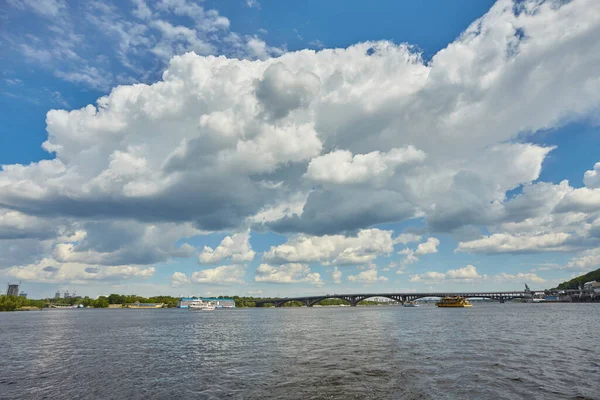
(488, 351)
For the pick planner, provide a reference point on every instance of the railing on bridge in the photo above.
(354, 299)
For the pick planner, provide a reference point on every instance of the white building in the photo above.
(592, 286)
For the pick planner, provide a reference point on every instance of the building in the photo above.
(184, 302)
(12, 290)
(57, 295)
(592, 286)
(67, 295)
(23, 294)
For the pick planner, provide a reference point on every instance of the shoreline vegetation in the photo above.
(577, 282)
(19, 303)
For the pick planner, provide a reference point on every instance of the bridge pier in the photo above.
(354, 298)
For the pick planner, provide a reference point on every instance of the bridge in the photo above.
(354, 299)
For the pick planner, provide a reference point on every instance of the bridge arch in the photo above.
(283, 303)
(315, 301)
(397, 298)
(495, 297)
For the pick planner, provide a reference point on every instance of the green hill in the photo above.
(580, 280)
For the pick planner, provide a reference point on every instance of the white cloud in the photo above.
(287, 273)
(588, 260)
(50, 270)
(316, 43)
(406, 238)
(507, 243)
(123, 243)
(342, 168)
(159, 31)
(219, 141)
(16, 225)
(46, 8)
(223, 275)
(236, 247)
(368, 276)
(179, 279)
(469, 274)
(592, 178)
(430, 277)
(337, 249)
(410, 256)
(429, 247)
(349, 99)
(336, 275)
(519, 278)
(252, 4)
(466, 274)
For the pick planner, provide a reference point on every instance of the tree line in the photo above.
(575, 283)
(12, 303)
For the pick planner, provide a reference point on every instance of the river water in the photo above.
(490, 351)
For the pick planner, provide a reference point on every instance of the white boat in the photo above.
(411, 304)
(199, 305)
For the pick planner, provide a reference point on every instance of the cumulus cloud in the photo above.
(410, 257)
(507, 243)
(179, 279)
(303, 142)
(342, 168)
(368, 276)
(466, 274)
(469, 274)
(429, 247)
(586, 261)
(519, 278)
(281, 91)
(336, 249)
(235, 247)
(287, 273)
(16, 225)
(223, 275)
(366, 99)
(50, 270)
(406, 238)
(336, 275)
(592, 178)
(122, 243)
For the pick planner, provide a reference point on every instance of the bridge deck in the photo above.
(355, 298)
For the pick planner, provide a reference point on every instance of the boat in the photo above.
(411, 304)
(145, 305)
(199, 305)
(455, 301)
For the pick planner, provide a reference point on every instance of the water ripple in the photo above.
(492, 351)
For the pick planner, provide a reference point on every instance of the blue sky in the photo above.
(281, 148)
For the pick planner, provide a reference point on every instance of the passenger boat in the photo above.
(411, 304)
(199, 305)
(144, 305)
(456, 301)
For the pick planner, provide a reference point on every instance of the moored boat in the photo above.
(199, 305)
(454, 301)
(411, 304)
(145, 305)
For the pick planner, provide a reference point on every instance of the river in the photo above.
(490, 351)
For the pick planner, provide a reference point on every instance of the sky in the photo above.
(268, 148)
